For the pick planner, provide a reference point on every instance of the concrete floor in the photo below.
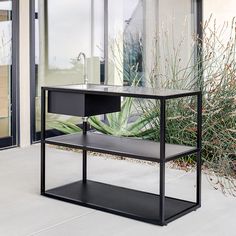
(24, 212)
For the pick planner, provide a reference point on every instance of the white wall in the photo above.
(221, 10)
(24, 61)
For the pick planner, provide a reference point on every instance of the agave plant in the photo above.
(66, 127)
(120, 124)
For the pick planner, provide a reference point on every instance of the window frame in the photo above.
(35, 136)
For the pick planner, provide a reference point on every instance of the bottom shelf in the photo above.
(121, 201)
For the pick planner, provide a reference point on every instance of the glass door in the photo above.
(61, 31)
(7, 82)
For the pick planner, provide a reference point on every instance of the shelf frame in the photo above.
(162, 220)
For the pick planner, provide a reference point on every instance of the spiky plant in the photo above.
(214, 72)
(120, 123)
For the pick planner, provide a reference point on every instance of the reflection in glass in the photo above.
(71, 26)
(5, 68)
(141, 33)
(125, 41)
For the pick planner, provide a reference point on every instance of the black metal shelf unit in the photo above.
(153, 208)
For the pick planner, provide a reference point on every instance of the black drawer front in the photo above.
(66, 103)
(76, 104)
(101, 104)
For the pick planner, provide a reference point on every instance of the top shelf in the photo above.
(125, 91)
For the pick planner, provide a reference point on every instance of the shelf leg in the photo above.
(199, 146)
(162, 159)
(84, 151)
(43, 126)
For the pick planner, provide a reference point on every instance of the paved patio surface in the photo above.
(24, 212)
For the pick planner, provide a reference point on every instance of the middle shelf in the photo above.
(121, 146)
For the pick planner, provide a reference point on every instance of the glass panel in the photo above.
(141, 33)
(6, 5)
(97, 39)
(69, 33)
(36, 33)
(5, 68)
(37, 6)
(72, 26)
(176, 47)
(37, 89)
(135, 41)
(125, 35)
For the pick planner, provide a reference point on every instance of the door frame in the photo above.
(13, 140)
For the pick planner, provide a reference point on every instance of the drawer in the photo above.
(78, 104)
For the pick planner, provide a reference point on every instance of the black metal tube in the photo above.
(85, 153)
(162, 159)
(199, 146)
(43, 126)
(15, 118)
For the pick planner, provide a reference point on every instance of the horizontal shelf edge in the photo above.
(121, 146)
